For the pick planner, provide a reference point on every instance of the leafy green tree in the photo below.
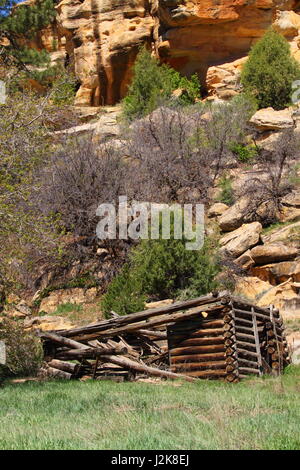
(24, 21)
(153, 83)
(270, 71)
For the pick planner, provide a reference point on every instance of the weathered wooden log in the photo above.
(197, 350)
(231, 360)
(133, 365)
(231, 378)
(206, 374)
(56, 373)
(246, 345)
(162, 320)
(64, 366)
(229, 334)
(247, 363)
(187, 366)
(91, 353)
(146, 314)
(245, 352)
(246, 337)
(248, 330)
(195, 342)
(242, 321)
(200, 333)
(249, 370)
(61, 340)
(152, 333)
(198, 357)
(239, 304)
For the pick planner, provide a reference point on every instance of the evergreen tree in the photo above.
(270, 71)
(153, 83)
(19, 22)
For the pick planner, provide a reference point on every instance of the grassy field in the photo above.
(255, 414)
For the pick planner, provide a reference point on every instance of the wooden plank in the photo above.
(257, 343)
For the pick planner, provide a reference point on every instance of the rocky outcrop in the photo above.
(101, 39)
(237, 242)
(268, 119)
(264, 254)
(67, 296)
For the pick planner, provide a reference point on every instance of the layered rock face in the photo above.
(103, 36)
(101, 39)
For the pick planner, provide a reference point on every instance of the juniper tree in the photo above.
(270, 71)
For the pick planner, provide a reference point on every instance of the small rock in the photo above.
(217, 209)
(233, 217)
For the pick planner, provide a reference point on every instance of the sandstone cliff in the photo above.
(101, 37)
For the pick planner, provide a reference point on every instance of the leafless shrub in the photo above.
(24, 350)
(79, 177)
(179, 153)
(264, 192)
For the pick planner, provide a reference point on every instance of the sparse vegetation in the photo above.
(227, 194)
(24, 350)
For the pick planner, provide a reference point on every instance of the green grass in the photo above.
(67, 308)
(254, 414)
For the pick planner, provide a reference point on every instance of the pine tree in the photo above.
(270, 71)
(19, 22)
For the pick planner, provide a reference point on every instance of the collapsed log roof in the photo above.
(213, 336)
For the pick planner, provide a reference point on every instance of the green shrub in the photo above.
(244, 153)
(24, 350)
(124, 294)
(153, 83)
(227, 194)
(270, 71)
(159, 269)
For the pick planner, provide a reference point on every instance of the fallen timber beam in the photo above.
(91, 353)
(61, 340)
(163, 320)
(145, 315)
(56, 373)
(133, 365)
(64, 366)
